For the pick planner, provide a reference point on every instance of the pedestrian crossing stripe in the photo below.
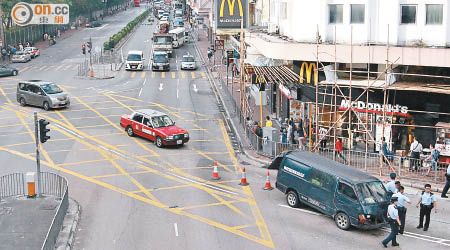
(173, 75)
(193, 75)
(75, 67)
(25, 68)
(143, 74)
(163, 74)
(203, 75)
(183, 75)
(153, 74)
(42, 68)
(123, 73)
(59, 67)
(133, 74)
(67, 67)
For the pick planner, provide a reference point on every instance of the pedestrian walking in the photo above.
(416, 148)
(394, 222)
(401, 207)
(338, 149)
(447, 183)
(301, 134)
(268, 121)
(20, 47)
(284, 131)
(427, 202)
(323, 137)
(433, 158)
(291, 132)
(392, 186)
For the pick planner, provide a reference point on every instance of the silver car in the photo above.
(21, 56)
(42, 94)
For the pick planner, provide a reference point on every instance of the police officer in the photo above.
(427, 202)
(391, 187)
(394, 222)
(401, 207)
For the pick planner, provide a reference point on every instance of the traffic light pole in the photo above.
(38, 160)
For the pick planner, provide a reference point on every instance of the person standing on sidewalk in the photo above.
(447, 183)
(323, 137)
(401, 207)
(268, 121)
(394, 222)
(416, 148)
(433, 158)
(427, 202)
(338, 148)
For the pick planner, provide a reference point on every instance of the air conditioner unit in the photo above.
(273, 28)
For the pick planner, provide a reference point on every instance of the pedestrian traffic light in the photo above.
(43, 130)
(89, 44)
(83, 50)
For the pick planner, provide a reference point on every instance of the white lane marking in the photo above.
(140, 92)
(178, 82)
(176, 229)
(99, 28)
(161, 87)
(203, 184)
(195, 88)
(176, 61)
(420, 237)
(145, 80)
(301, 210)
(67, 130)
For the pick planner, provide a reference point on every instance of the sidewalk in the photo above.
(231, 102)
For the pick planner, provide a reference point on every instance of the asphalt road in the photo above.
(137, 196)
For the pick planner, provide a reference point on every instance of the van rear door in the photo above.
(292, 174)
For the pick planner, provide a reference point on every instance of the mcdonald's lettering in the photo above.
(231, 7)
(311, 66)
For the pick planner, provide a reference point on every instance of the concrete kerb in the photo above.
(69, 226)
(233, 126)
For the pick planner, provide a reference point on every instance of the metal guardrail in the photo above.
(12, 185)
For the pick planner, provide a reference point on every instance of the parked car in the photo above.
(8, 71)
(21, 56)
(155, 126)
(33, 51)
(188, 62)
(42, 94)
(93, 24)
(350, 196)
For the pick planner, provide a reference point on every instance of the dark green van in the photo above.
(351, 197)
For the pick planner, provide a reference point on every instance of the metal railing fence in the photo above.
(12, 185)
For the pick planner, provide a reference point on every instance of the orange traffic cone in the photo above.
(215, 174)
(268, 186)
(244, 178)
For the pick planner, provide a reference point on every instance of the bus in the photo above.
(136, 3)
(177, 37)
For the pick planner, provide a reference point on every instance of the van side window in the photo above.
(347, 190)
(321, 179)
(23, 86)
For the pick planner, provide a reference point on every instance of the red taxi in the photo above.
(155, 126)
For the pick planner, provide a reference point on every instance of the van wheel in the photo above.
(342, 221)
(292, 199)
(130, 131)
(46, 106)
(22, 102)
(159, 142)
(14, 73)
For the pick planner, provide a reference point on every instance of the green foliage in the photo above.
(115, 39)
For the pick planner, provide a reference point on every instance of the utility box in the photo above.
(270, 139)
(30, 178)
(254, 90)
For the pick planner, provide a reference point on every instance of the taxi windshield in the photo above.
(51, 88)
(371, 192)
(161, 121)
(188, 59)
(160, 58)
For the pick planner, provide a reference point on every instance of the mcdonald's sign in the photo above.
(229, 13)
(309, 67)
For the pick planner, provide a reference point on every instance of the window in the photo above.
(347, 191)
(321, 179)
(335, 13)
(434, 13)
(34, 89)
(357, 13)
(408, 14)
(138, 118)
(23, 86)
(146, 122)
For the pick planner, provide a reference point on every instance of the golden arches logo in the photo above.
(308, 68)
(231, 7)
(22, 13)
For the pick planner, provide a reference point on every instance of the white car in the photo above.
(188, 62)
